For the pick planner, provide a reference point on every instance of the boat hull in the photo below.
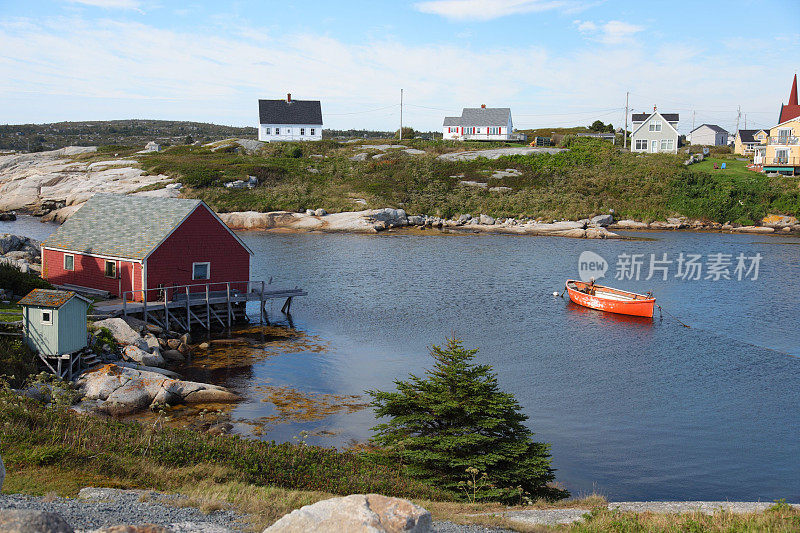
(602, 300)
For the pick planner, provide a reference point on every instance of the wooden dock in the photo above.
(204, 304)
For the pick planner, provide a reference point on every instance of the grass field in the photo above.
(733, 168)
(591, 178)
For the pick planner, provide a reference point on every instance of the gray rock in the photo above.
(360, 157)
(138, 355)
(185, 338)
(151, 341)
(500, 189)
(320, 212)
(486, 220)
(602, 220)
(120, 330)
(416, 220)
(471, 183)
(310, 212)
(30, 521)
(174, 356)
(357, 513)
(463, 219)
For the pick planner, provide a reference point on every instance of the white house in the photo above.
(480, 124)
(655, 132)
(289, 120)
(709, 135)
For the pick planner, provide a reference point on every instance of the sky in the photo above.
(555, 63)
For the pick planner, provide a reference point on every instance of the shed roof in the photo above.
(49, 298)
(290, 112)
(713, 127)
(120, 225)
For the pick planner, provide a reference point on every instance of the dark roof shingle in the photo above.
(480, 117)
(713, 127)
(748, 136)
(119, 225)
(292, 112)
(669, 117)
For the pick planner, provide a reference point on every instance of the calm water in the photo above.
(635, 409)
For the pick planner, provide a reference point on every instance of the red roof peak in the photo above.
(792, 109)
(793, 93)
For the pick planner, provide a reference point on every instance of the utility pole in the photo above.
(738, 116)
(745, 121)
(693, 114)
(401, 114)
(625, 132)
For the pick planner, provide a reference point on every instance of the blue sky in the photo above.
(554, 62)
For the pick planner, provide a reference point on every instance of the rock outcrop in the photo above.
(357, 513)
(120, 391)
(120, 330)
(21, 251)
(46, 181)
(31, 521)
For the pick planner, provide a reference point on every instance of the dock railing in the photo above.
(175, 297)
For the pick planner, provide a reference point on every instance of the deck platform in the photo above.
(201, 303)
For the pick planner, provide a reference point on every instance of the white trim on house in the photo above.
(71, 256)
(113, 262)
(208, 270)
(89, 254)
(46, 321)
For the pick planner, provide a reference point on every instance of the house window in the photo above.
(69, 262)
(302, 131)
(201, 270)
(277, 131)
(312, 131)
(267, 131)
(670, 144)
(47, 317)
(655, 125)
(111, 269)
(641, 144)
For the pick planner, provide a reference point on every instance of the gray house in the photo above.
(54, 322)
(480, 124)
(708, 135)
(655, 132)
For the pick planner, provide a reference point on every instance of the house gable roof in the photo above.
(481, 117)
(124, 226)
(646, 120)
(748, 136)
(792, 109)
(49, 298)
(669, 117)
(713, 127)
(290, 112)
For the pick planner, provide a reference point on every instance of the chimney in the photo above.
(288, 98)
(483, 106)
(654, 109)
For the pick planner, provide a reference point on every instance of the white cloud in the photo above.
(491, 9)
(611, 32)
(78, 69)
(109, 4)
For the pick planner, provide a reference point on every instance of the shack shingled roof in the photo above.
(48, 298)
(120, 225)
(669, 117)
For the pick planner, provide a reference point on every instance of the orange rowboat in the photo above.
(609, 299)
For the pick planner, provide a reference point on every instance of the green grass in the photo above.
(10, 312)
(591, 178)
(733, 168)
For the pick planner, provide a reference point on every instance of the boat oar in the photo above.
(678, 320)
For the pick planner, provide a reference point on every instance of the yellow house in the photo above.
(783, 148)
(745, 141)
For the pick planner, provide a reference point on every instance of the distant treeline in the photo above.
(40, 137)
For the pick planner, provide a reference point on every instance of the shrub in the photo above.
(19, 282)
(17, 363)
(456, 429)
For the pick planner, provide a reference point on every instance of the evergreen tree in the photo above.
(457, 430)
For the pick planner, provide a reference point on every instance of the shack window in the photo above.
(302, 131)
(201, 270)
(312, 131)
(47, 317)
(111, 269)
(69, 262)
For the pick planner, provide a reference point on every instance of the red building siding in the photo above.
(90, 271)
(201, 238)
